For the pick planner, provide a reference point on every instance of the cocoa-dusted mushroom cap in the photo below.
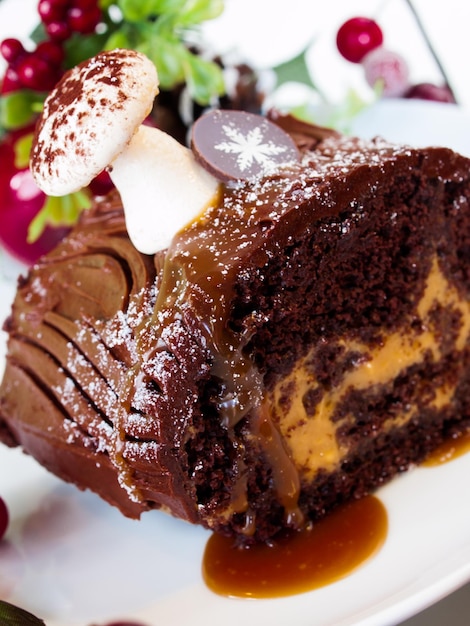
(90, 117)
(93, 120)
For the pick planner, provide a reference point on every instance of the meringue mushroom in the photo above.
(92, 121)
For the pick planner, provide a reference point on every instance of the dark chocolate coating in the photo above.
(142, 377)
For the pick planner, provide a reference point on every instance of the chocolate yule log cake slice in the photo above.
(281, 326)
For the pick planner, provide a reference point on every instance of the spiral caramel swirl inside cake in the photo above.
(316, 421)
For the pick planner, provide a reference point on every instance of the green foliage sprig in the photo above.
(14, 616)
(161, 29)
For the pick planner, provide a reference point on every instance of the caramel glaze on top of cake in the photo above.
(303, 341)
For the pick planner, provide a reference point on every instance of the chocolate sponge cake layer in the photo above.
(299, 344)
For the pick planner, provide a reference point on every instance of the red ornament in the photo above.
(388, 69)
(20, 201)
(428, 91)
(357, 37)
(4, 518)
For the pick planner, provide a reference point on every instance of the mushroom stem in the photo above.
(162, 188)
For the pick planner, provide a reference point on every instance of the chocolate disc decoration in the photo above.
(235, 145)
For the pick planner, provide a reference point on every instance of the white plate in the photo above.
(73, 560)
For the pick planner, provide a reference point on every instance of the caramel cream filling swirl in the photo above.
(311, 439)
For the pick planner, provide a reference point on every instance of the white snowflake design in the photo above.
(249, 148)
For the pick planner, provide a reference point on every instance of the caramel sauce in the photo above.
(197, 286)
(285, 473)
(301, 561)
(448, 451)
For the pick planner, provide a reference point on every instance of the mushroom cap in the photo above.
(90, 117)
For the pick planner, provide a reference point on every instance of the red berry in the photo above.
(35, 73)
(101, 185)
(83, 20)
(85, 4)
(51, 51)
(11, 81)
(357, 37)
(50, 11)
(58, 31)
(427, 91)
(11, 49)
(4, 518)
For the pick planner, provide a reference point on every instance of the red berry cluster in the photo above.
(37, 70)
(40, 69)
(360, 40)
(62, 18)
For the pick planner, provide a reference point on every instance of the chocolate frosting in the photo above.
(119, 363)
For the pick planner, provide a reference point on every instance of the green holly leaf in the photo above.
(118, 39)
(58, 211)
(105, 4)
(204, 79)
(163, 7)
(197, 11)
(11, 615)
(168, 55)
(157, 28)
(294, 70)
(339, 116)
(23, 147)
(19, 108)
(39, 33)
(133, 11)
(78, 48)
